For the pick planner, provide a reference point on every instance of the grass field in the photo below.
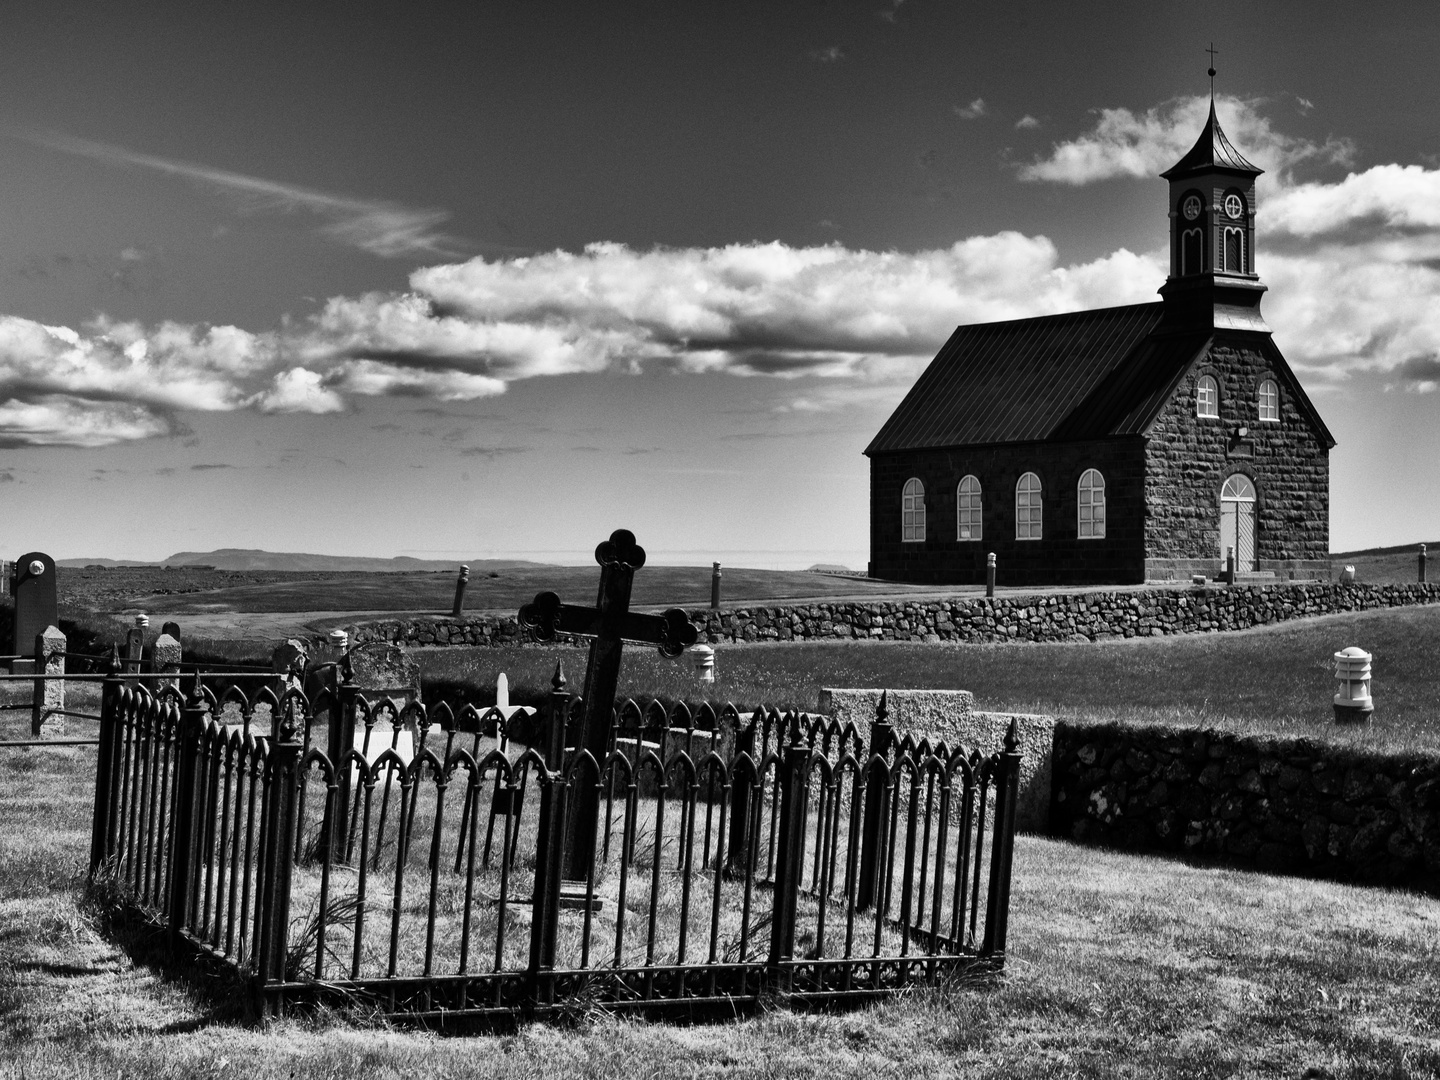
(1119, 966)
(1273, 679)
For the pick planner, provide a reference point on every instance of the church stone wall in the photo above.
(1059, 557)
(1188, 459)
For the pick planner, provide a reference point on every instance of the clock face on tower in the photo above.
(1234, 206)
(1191, 207)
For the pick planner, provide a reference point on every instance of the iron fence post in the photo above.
(790, 856)
(340, 739)
(737, 857)
(550, 848)
(184, 831)
(1002, 847)
(882, 734)
(282, 798)
(107, 764)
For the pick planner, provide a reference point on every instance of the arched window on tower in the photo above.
(1092, 505)
(1234, 251)
(967, 510)
(1207, 397)
(912, 512)
(1192, 260)
(1027, 508)
(1269, 400)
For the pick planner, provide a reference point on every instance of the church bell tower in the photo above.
(1212, 236)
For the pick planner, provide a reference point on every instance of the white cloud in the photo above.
(299, 390)
(380, 227)
(1123, 143)
(1026, 121)
(973, 111)
(52, 420)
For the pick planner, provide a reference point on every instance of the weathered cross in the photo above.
(610, 623)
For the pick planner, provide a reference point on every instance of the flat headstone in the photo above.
(380, 666)
(36, 600)
(502, 692)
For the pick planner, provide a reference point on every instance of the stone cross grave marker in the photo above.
(36, 605)
(609, 623)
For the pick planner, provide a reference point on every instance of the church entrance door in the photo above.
(1237, 521)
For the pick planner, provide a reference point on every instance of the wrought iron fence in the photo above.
(415, 863)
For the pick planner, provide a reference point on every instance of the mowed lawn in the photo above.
(1118, 966)
(1273, 679)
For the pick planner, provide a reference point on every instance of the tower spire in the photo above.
(1211, 71)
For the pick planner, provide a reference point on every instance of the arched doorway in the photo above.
(1237, 521)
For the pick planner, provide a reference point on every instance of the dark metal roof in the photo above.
(1025, 380)
(1211, 151)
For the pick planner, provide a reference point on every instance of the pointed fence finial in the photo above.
(196, 696)
(115, 667)
(557, 681)
(1012, 737)
(881, 709)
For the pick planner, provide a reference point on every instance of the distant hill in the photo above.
(244, 559)
(1402, 549)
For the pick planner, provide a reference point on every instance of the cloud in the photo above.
(889, 13)
(207, 468)
(299, 390)
(55, 421)
(1420, 373)
(493, 452)
(1027, 121)
(378, 226)
(973, 111)
(1127, 144)
(7, 478)
(828, 55)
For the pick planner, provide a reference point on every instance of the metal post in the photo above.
(1229, 565)
(715, 586)
(185, 826)
(737, 859)
(1002, 847)
(790, 853)
(881, 735)
(339, 743)
(281, 817)
(990, 574)
(460, 584)
(1422, 564)
(135, 644)
(106, 764)
(550, 847)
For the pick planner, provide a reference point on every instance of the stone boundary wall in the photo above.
(1087, 616)
(1272, 804)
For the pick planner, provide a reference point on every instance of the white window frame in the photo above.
(1207, 393)
(969, 509)
(1091, 509)
(1236, 265)
(1268, 411)
(1029, 508)
(912, 512)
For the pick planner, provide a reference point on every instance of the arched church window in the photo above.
(1269, 400)
(1092, 505)
(912, 512)
(1207, 397)
(967, 510)
(1192, 260)
(1234, 251)
(1027, 508)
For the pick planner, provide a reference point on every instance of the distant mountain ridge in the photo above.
(242, 559)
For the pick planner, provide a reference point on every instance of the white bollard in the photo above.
(1352, 692)
(704, 662)
(502, 691)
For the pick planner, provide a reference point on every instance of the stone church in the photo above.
(1121, 445)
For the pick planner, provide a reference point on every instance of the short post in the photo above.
(1353, 704)
(135, 644)
(460, 583)
(790, 851)
(107, 763)
(282, 798)
(990, 574)
(737, 856)
(1002, 848)
(704, 662)
(1422, 564)
(550, 846)
(165, 657)
(47, 710)
(882, 734)
(185, 824)
(338, 747)
(715, 586)
(1229, 565)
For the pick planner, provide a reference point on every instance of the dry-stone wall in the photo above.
(1083, 616)
(1293, 805)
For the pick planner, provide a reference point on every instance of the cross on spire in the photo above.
(1213, 53)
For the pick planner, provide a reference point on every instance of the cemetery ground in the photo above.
(1119, 966)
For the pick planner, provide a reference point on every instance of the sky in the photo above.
(493, 280)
